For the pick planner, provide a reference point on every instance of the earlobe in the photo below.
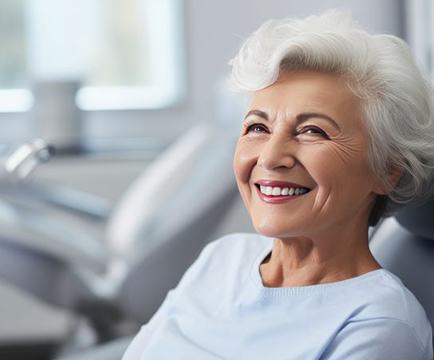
(394, 176)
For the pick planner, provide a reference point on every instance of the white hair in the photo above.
(397, 102)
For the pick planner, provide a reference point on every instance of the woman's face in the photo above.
(305, 129)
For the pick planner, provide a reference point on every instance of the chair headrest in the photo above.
(418, 220)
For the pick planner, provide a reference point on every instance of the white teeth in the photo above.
(276, 191)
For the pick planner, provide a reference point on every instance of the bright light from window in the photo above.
(15, 100)
(126, 54)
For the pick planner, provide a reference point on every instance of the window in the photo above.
(420, 26)
(126, 54)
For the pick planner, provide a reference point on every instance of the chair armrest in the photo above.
(78, 202)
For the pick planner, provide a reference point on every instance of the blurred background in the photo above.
(117, 134)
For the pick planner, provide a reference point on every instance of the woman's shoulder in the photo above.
(224, 256)
(400, 301)
(234, 251)
(391, 300)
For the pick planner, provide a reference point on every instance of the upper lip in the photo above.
(281, 184)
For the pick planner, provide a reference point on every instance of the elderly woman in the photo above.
(338, 135)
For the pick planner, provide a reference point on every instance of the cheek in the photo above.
(244, 160)
(243, 163)
(350, 151)
(342, 165)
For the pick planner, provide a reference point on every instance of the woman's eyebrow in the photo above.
(259, 113)
(299, 119)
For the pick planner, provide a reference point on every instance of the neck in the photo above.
(301, 261)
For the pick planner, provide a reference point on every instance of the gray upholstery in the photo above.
(153, 234)
(158, 227)
(420, 220)
(109, 351)
(404, 245)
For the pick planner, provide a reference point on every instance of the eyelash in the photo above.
(248, 127)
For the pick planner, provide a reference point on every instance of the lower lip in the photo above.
(280, 199)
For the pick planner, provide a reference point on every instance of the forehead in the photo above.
(297, 92)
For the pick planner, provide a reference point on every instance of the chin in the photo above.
(275, 230)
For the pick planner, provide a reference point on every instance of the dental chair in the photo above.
(404, 245)
(153, 234)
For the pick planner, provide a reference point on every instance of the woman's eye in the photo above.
(313, 130)
(257, 128)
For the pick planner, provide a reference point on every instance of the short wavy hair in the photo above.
(397, 101)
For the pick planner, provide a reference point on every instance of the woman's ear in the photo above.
(385, 187)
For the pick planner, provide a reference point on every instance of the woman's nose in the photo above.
(277, 152)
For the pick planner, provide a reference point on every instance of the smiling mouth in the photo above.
(278, 195)
(276, 191)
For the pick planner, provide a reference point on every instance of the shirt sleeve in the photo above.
(377, 339)
(140, 341)
(135, 349)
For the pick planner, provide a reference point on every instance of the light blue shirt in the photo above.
(221, 310)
